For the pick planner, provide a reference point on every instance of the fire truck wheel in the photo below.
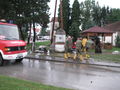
(1, 60)
(19, 60)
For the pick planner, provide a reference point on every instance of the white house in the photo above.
(115, 27)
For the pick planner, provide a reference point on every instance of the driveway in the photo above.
(67, 75)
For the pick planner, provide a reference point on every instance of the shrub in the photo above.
(117, 41)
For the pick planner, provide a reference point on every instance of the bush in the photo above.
(117, 41)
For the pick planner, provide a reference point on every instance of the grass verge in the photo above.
(8, 83)
(37, 44)
(111, 50)
(107, 57)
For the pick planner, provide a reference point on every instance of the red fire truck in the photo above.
(11, 47)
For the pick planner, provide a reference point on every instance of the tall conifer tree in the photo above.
(75, 20)
(66, 15)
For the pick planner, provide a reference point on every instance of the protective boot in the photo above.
(65, 56)
(68, 55)
(81, 57)
(87, 55)
(75, 56)
(84, 49)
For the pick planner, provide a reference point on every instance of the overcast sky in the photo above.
(110, 3)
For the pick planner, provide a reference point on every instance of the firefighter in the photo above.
(97, 45)
(68, 47)
(88, 47)
(78, 49)
(84, 47)
(84, 42)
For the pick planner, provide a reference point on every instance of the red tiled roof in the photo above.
(113, 26)
(97, 29)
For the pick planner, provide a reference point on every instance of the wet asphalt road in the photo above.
(74, 76)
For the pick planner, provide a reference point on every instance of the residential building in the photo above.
(115, 27)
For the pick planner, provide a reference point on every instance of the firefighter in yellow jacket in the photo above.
(84, 48)
(84, 43)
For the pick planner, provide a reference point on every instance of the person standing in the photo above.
(84, 42)
(68, 47)
(88, 47)
(89, 44)
(78, 49)
(97, 45)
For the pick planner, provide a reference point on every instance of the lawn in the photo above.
(8, 83)
(107, 50)
(107, 55)
(111, 50)
(45, 43)
(37, 44)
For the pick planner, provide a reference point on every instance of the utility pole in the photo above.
(34, 37)
(61, 14)
(53, 22)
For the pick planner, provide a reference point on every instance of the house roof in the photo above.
(113, 26)
(56, 19)
(97, 29)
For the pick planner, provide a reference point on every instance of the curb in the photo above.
(63, 61)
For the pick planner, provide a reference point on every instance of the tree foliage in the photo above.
(97, 14)
(75, 15)
(100, 14)
(66, 15)
(75, 20)
(113, 15)
(74, 31)
(25, 11)
(93, 14)
(86, 8)
(87, 14)
(117, 41)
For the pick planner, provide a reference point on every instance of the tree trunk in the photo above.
(21, 32)
(34, 37)
(29, 37)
